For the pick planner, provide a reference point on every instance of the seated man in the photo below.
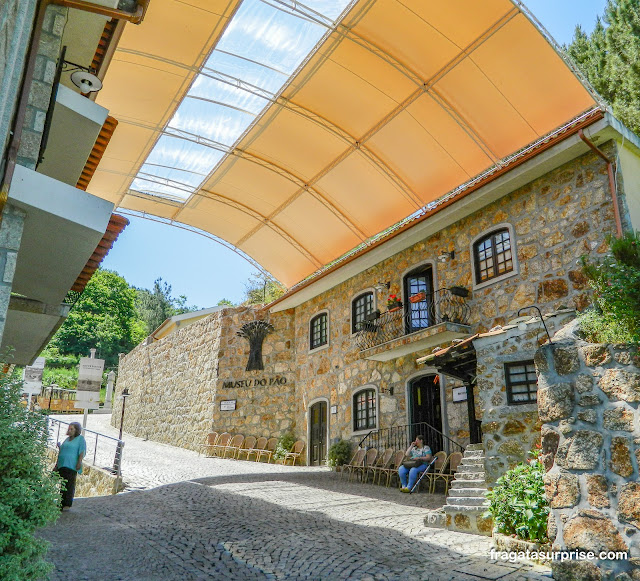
(422, 454)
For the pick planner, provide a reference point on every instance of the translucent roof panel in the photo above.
(303, 129)
(255, 57)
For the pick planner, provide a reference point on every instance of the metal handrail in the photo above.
(110, 452)
(399, 438)
(441, 306)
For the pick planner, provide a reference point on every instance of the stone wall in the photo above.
(588, 401)
(509, 431)
(42, 85)
(93, 481)
(10, 239)
(177, 383)
(16, 20)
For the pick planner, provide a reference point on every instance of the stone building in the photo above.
(53, 233)
(339, 362)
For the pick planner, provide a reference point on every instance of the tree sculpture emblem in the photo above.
(255, 332)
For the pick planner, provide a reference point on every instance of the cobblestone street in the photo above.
(187, 517)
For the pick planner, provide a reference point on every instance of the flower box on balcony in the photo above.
(459, 291)
(418, 298)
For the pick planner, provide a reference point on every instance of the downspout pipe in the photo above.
(18, 122)
(612, 180)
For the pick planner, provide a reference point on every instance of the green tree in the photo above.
(224, 302)
(610, 59)
(262, 289)
(28, 491)
(104, 317)
(157, 305)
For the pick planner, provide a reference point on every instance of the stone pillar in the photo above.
(10, 238)
(111, 377)
(588, 399)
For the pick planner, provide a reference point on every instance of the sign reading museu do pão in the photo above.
(257, 382)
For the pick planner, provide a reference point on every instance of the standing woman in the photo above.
(69, 463)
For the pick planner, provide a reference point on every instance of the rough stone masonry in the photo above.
(588, 402)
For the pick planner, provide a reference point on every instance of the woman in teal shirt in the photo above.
(69, 463)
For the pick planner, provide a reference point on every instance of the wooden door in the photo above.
(318, 445)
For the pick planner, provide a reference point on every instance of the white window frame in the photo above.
(355, 392)
(354, 297)
(514, 256)
(326, 345)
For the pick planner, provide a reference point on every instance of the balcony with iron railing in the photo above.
(433, 319)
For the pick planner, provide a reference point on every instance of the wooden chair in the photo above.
(438, 469)
(357, 460)
(247, 446)
(369, 460)
(268, 451)
(447, 476)
(294, 453)
(221, 444)
(209, 444)
(383, 462)
(392, 471)
(260, 445)
(234, 445)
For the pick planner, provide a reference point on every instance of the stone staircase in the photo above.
(467, 502)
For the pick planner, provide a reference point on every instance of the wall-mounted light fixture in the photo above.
(522, 325)
(82, 77)
(446, 256)
(382, 286)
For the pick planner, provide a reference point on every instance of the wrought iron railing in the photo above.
(103, 451)
(399, 438)
(439, 307)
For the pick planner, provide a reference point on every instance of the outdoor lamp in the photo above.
(523, 326)
(382, 286)
(445, 256)
(124, 395)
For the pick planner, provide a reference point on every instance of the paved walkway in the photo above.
(186, 517)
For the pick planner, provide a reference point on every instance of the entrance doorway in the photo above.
(318, 436)
(425, 407)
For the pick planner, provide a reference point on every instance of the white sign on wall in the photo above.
(89, 383)
(32, 377)
(227, 405)
(459, 394)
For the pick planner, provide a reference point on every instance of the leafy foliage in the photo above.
(28, 491)
(157, 305)
(104, 317)
(339, 453)
(616, 284)
(610, 59)
(261, 289)
(518, 503)
(285, 443)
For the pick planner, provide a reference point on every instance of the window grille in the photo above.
(522, 382)
(493, 256)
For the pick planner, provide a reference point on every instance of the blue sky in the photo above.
(196, 266)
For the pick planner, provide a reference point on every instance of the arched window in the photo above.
(492, 255)
(361, 306)
(364, 410)
(318, 335)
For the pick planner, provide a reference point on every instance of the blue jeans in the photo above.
(413, 475)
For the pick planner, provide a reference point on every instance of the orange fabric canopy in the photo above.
(401, 102)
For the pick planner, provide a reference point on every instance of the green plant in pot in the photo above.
(285, 443)
(339, 453)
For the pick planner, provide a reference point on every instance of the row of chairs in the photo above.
(370, 463)
(225, 445)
